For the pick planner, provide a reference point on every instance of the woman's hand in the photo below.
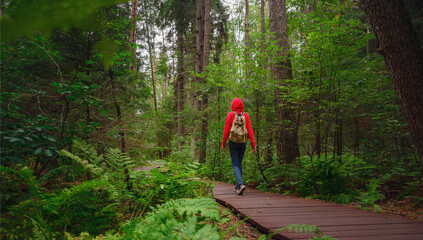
(254, 149)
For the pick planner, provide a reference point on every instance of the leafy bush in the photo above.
(86, 207)
(176, 219)
(23, 135)
(335, 179)
(179, 219)
(371, 196)
(176, 181)
(114, 166)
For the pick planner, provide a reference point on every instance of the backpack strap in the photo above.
(236, 114)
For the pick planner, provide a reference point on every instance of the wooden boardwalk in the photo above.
(269, 212)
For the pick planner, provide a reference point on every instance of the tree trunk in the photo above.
(216, 60)
(180, 86)
(118, 112)
(2, 8)
(247, 38)
(165, 73)
(286, 119)
(338, 143)
(199, 47)
(132, 35)
(356, 134)
(151, 52)
(317, 139)
(121, 132)
(173, 58)
(268, 145)
(153, 74)
(204, 97)
(262, 19)
(397, 42)
(199, 61)
(247, 25)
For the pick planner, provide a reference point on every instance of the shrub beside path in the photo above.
(269, 212)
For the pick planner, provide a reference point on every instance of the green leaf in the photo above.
(12, 139)
(49, 152)
(38, 151)
(28, 138)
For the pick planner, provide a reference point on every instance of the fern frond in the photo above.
(62, 170)
(202, 207)
(302, 228)
(91, 167)
(28, 176)
(87, 151)
(78, 190)
(118, 160)
(180, 219)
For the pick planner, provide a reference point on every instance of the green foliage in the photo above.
(334, 179)
(111, 166)
(182, 218)
(371, 196)
(176, 182)
(301, 228)
(95, 206)
(175, 219)
(24, 18)
(56, 91)
(17, 185)
(85, 207)
(24, 136)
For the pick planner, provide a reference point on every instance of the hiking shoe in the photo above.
(236, 189)
(241, 189)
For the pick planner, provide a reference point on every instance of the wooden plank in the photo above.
(268, 212)
(304, 213)
(257, 203)
(385, 237)
(382, 230)
(278, 222)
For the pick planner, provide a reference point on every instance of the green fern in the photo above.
(205, 208)
(114, 166)
(180, 219)
(28, 176)
(56, 175)
(84, 207)
(118, 165)
(301, 228)
(87, 151)
(96, 171)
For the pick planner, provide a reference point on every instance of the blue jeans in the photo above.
(237, 151)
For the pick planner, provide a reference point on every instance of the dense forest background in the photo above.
(92, 90)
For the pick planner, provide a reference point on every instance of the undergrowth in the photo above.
(105, 191)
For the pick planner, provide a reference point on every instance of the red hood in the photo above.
(237, 105)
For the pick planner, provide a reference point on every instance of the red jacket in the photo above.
(238, 107)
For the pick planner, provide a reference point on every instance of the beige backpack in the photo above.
(239, 133)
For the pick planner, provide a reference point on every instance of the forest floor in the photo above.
(401, 208)
(404, 207)
(242, 228)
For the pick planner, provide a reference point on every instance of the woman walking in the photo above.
(238, 129)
